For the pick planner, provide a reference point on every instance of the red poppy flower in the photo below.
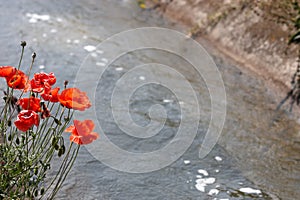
(82, 132)
(7, 71)
(75, 99)
(15, 78)
(51, 96)
(31, 103)
(26, 119)
(42, 81)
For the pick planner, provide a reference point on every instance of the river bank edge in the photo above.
(236, 30)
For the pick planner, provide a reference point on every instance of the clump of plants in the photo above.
(34, 114)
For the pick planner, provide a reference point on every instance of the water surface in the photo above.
(256, 158)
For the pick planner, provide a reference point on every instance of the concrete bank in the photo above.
(251, 33)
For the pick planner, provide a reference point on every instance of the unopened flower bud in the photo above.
(42, 190)
(33, 55)
(63, 148)
(66, 83)
(36, 193)
(57, 121)
(56, 147)
(59, 152)
(17, 141)
(23, 43)
(54, 141)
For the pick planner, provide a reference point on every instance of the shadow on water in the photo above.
(255, 159)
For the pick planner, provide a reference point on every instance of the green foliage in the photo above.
(25, 157)
(295, 38)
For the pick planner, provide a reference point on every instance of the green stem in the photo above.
(65, 173)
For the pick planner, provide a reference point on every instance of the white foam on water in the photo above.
(32, 20)
(44, 35)
(42, 67)
(213, 192)
(76, 41)
(53, 30)
(68, 41)
(100, 64)
(186, 162)
(218, 158)
(202, 171)
(94, 54)
(104, 60)
(209, 180)
(201, 183)
(59, 19)
(200, 187)
(119, 68)
(89, 48)
(142, 78)
(250, 190)
(167, 100)
(99, 51)
(34, 17)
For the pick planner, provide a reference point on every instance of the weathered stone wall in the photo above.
(241, 30)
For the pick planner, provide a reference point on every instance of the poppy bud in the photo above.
(33, 55)
(59, 152)
(63, 148)
(23, 138)
(53, 142)
(17, 141)
(23, 43)
(57, 121)
(66, 83)
(42, 190)
(36, 193)
(56, 147)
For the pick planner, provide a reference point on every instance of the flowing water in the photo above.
(256, 157)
